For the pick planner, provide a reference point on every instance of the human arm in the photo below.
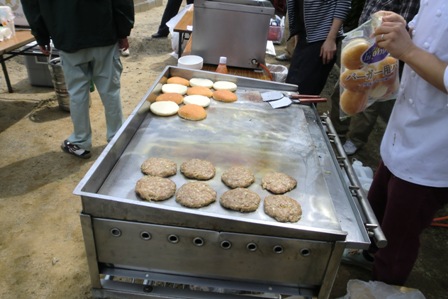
(34, 17)
(123, 44)
(393, 36)
(340, 13)
(329, 47)
(124, 17)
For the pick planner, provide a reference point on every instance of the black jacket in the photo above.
(78, 24)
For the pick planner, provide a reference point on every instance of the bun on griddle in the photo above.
(192, 112)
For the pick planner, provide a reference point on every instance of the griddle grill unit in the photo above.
(138, 249)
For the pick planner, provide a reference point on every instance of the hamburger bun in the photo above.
(224, 85)
(165, 108)
(192, 112)
(224, 96)
(201, 82)
(202, 101)
(357, 80)
(352, 102)
(352, 53)
(199, 90)
(387, 70)
(152, 97)
(175, 88)
(170, 96)
(386, 78)
(178, 80)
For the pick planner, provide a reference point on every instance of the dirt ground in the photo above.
(41, 245)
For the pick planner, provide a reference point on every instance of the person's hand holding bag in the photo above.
(393, 35)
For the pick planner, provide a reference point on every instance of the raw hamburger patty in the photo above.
(278, 182)
(195, 195)
(282, 208)
(160, 167)
(238, 176)
(240, 199)
(153, 188)
(198, 169)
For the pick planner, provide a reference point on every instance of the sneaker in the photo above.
(283, 57)
(360, 258)
(124, 53)
(75, 150)
(349, 147)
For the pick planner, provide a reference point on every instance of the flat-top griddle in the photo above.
(126, 236)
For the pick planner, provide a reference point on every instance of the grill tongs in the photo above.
(279, 99)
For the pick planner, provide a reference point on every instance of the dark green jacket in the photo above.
(78, 24)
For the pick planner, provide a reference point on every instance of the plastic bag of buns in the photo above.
(368, 73)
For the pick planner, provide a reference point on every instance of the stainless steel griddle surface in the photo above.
(248, 132)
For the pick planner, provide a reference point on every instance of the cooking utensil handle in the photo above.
(312, 100)
(303, 96)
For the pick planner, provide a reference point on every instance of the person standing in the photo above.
(362, 124)
(411, 183)
(88, 35)
(318, 26)
(171, 10)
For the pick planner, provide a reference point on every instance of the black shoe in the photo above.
(75, 150)
(159, 35)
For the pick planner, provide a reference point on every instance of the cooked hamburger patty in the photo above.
(195, 195)
(240, 199)
(282, 208)
(238, 176)
(160, 167)
(198, 169)
(152, 188)
(278, 182)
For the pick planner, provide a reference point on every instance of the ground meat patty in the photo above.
(240, 199)
(282, 208)
(198, 169)
(160, 167)
(238, 177)
(195, 195)
(278, 182)
(153, 188)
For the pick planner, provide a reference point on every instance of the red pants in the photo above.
(403, 210)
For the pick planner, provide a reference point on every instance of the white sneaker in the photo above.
(124, 53)
(349, 147)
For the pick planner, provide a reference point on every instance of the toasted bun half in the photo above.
(178, 80)
(224, 96)
(192, 112)
(170, 96)
(199, 90)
